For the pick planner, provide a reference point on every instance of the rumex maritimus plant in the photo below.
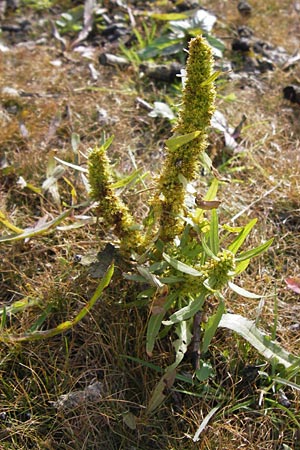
(189, 256)
(186, 254)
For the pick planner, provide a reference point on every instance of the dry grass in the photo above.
(265, 175)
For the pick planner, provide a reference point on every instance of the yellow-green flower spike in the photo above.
(195, 115)
(198, 93)
(110, 207)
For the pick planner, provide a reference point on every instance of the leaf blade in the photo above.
(242, 292)
(211, 326)
(236, 244)
(178, 141)
(255, 251)
(181, 267)
(259, 340)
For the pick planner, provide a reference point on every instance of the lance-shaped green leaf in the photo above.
(132, 178)
(72, 166)
(178, 141)
(55, 175)
(36, 231)
(8, 224)
(188, 311)
(160, 392)
(65, 326)
(287, 382)
(102, 285)
(182, 267)
(241, 266)
(130, 420)
(181, 344)
(212, 191)
(19, 305)
(255, 251)
(41, 319)
(211, 79)
(153, 328)
(154, 324)
(208, 251)
(168, 16)
(214, 232)
(211, 326)
(241, 291)
(3, 318)
(166, 382)
(206, 161)
(270, 350)
(236, 244)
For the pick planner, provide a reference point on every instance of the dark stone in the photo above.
(162, 72)
(242, 45)
(292, 93)
(244, 8)
(245, 32)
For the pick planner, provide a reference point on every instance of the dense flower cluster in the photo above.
(110, 207)
(195, 115)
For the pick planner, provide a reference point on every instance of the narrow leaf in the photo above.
(241, 291)
(75, 141)
(206, 161)
(211, 326)
(212, 191)
(178, 141)
(8, 224)
(41, 319)
(154, 325)
(204, 423)
(106, 144)
(150, 277)
(36, 231)
(102, 285)
(184, 268)
(127, 180)
(211, 79)
(65, 326)
(214, 232)
(3, 318)
(159, 394)
(153, 328)
(168, 16)
(188, 311)
(208, 251)
(19, 305)
(236, 244)
(55, 175)
(259, 340)
(241, 266)
(255, 251)
(181, 344)
(287, 383)
(73, 166)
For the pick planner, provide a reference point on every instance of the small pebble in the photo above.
(244, 8)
